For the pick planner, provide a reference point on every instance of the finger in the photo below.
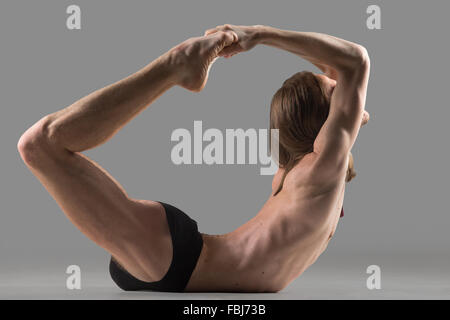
(229, 50)
(223, 39)
(229, 37)
(225, 27)
(211, 31)
(229, 55)
(365, 118)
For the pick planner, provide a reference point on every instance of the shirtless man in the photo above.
(155, 246)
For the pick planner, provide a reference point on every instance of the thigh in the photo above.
(134, 231)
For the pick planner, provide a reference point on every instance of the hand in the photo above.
(365, 118)
(247, 38)
(192, 59)
(351, 173)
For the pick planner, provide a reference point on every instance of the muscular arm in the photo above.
(349, 64)
(346, 62)
(318, 48)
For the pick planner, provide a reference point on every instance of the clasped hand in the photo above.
(192, 59)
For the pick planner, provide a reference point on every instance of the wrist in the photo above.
(263, 34)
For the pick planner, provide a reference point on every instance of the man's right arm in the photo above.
(349, 64)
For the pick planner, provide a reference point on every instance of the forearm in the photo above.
(318, 48)
(95, 118)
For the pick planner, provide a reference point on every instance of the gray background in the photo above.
(396, 209)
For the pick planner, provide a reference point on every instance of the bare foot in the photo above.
(193, 58)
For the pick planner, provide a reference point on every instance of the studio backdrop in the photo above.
(396, 209)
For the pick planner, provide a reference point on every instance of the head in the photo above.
(299, 109)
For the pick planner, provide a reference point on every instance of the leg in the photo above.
(97, 117)
(135, 232)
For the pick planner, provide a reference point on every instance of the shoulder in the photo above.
(311, 178)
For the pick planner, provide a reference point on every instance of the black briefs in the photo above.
(187, 245)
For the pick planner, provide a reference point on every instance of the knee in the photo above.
(34, 143)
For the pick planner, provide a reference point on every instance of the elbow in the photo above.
(357, 62)
(34, 142)
(361, 59)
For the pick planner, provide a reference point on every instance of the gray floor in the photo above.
(402, 277)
